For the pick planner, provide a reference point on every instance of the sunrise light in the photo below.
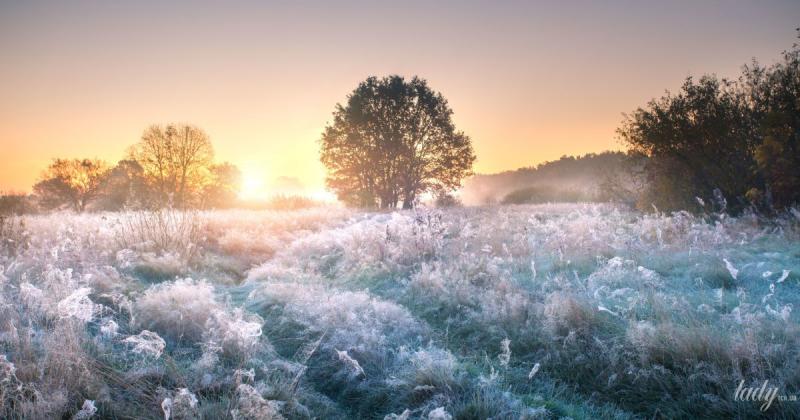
(253, 185)
(415, 210)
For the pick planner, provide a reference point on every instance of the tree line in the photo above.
(391, 143)
(717, 144)
(736, 142)
(568, 179)
(172, 165)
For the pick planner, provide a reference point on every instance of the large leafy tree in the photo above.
(393, 141)
(699, 142)
(176, 160)
(774, 94)
(738, 142)
(71, 182)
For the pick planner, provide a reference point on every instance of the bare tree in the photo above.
(73, 182)
(176, 159)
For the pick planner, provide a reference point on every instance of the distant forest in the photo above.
(716, 144)
(568, 179)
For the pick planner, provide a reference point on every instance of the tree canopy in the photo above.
(71, 182)
(176, 159)
(172, 165)
(392, 141)
(735, 141)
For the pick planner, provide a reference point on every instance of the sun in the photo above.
(252, 186)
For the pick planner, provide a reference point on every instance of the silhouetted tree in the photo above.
(731, 141)
(697, 141)
(391, 142)
(446, 200)
(16, 204)
(223, 187)
(125, 187)
(774, 93)
(72, 182)
(176, 161)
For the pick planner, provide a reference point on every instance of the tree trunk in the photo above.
(408, 201)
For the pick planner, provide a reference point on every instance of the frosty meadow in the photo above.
(546, 311)
(415, 210)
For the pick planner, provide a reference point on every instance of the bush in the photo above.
(545, 194)
(13, 237)
(445, 200)
(291, 202)
(164, 231)
(16, 204)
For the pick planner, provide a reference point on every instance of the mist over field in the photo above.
(569, 179)
(533, 311)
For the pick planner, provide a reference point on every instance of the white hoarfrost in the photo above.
(86, 412)
(146, 343)
(439, 414)
(77, 305)
(106, 307)
(350, 363)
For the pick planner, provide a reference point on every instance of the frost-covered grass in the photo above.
(549, 311)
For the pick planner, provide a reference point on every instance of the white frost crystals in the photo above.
(86, 412)
(251, 405)
(604, 309)
(351, 363)
(77, 305)
(784, 276)
(146, 343)
(234, 331)
(439, 414)
(534, 371)
(109, 328)
(731, 269)
(181, 405)
(343, 312)
(178, 309)
(505, 356)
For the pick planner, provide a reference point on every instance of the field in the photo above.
(548, 311)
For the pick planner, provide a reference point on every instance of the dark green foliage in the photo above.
(733, 141)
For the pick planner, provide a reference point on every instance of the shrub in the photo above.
(13, 237)
(161, 231)
(545, 194)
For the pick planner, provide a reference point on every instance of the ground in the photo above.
(548, 311)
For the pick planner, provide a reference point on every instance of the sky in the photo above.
(527, 81)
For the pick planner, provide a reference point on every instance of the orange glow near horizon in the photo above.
(527, 82)
(252, 186)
